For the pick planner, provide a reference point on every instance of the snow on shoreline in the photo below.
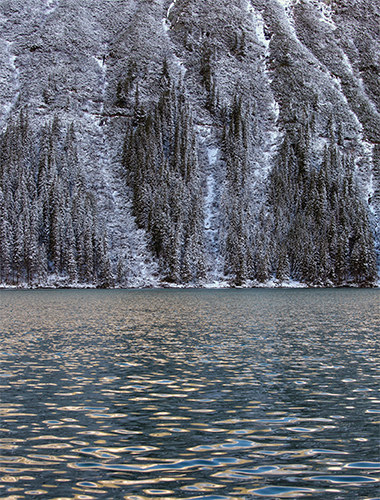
(215, 285)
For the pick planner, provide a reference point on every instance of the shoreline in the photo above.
(207, 286)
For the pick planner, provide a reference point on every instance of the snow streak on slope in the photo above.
(271, 134)
(326, 15)
(11, 81)
(127, 243)
(212, 173)
(286, 6)
(166, 23)
(259, 23)
(212, 215)
(209, 151)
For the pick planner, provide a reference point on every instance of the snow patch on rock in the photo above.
(259, 27)
(14, 85)
(288, 3)
(51, 6)
(212, 155)
(327, 15)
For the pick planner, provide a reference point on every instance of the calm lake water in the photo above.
(227, 394)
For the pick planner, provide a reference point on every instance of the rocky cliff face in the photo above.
(245, 77)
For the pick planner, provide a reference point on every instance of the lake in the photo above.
(207, 394)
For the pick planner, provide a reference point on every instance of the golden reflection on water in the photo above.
(189, 394)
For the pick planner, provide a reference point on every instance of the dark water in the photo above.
(189, 394)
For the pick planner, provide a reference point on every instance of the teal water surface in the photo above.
(207, 394)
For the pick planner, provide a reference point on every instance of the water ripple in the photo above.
(345, 479)
(173, 466)
(364, 465)
(280, 491)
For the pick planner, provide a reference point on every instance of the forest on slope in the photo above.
(213, 143)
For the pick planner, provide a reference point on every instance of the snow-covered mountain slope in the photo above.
(288, 65)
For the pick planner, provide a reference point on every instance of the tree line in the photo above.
(313, 226)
